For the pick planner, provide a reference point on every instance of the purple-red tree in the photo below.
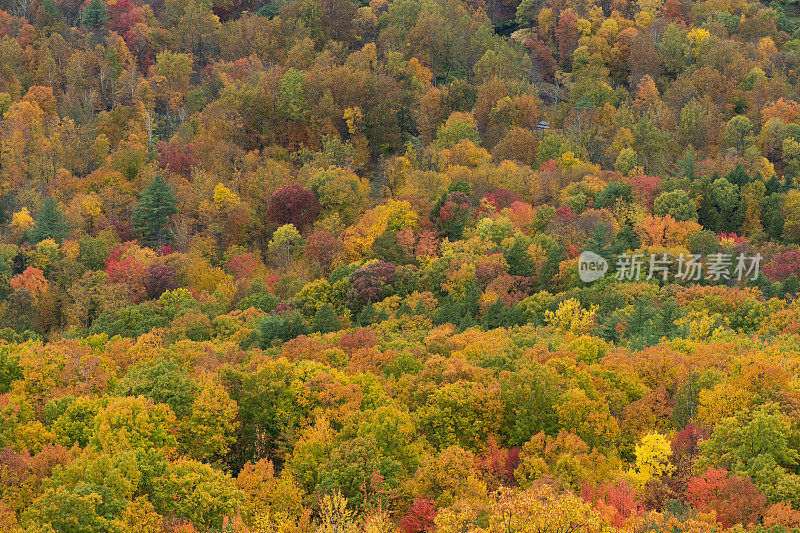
(784, 265)
(295, 205)
(567, 36)
(542, 57)
(159, 278)
(367, 283)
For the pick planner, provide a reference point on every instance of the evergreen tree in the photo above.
(369, 315)
(763, 283)
(791, 286)
(152, 211)
(773, 186)
(626, 239)
(788, 183)
(366, 316)
(448, 311)
(50, 223)
(689, 163)
(51, 9)
(96, 14)
(738, 176)
(325, 321)
(283, 327)
(494, 316)
(771, 216)
(269, 10)
(405, 309)
(519, 260)
(599, 240)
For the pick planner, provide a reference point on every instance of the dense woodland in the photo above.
(312, 265)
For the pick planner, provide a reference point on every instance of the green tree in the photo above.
(757, 444)
(553, 146)
(791, 157)
(527, 12)
(163, 381)
(152, 211)
(529, 396)
(720, 206)
(771, 215)
(725, 196)
(212, 424)
(293, 95)
(75, 421)
(325, 320)
(96, 14)
(351, 469)
(676, 203)
(133, 423)
(286, 238)
(626, 160)
(673, 50)
(738, 133)
(50, 223)
(453, 131)
(86, 496)
(283, 327)
(651, 144)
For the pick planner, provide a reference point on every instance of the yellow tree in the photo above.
(211, 425)
(652, 458)
(542, 510)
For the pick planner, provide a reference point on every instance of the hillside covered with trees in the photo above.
(321, 265)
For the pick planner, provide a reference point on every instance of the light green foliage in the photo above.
(677, 204)
(195, 491)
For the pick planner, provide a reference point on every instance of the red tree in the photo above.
(620, 496)
(178, 159)
(323, 247)
(293, 204)
(735, 499)
(566, 36)
(542, 57)
(686, 447)
(419, 516)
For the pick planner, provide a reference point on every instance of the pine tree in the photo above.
(366, 316)
(50, 223)
(51, 9)
(791, 286)
(494, 316)
(152, 211)
(325, 320)
(773, 186)
(689, 163)
(738, 176)
(96, 14)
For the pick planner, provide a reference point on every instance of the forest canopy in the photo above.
(399, 266)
